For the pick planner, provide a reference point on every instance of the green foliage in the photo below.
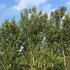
(36, 42)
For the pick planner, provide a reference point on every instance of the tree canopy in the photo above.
(36, 42)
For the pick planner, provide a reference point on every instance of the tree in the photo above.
(36, 42)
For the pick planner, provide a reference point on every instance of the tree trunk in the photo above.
(44, 64)
(64, 59)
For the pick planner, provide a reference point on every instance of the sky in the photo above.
(12, 8)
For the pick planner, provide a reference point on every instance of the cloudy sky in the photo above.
(12, 8)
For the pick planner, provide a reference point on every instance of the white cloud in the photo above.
(20, 4)
(9, 13)
(48, 8)
(68, 3)
(25, 3)
(2, 6)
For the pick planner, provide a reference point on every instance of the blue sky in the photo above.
(12, 8)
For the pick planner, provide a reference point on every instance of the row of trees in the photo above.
(36, 42)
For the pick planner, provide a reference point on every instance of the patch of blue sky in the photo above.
(12, 8)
